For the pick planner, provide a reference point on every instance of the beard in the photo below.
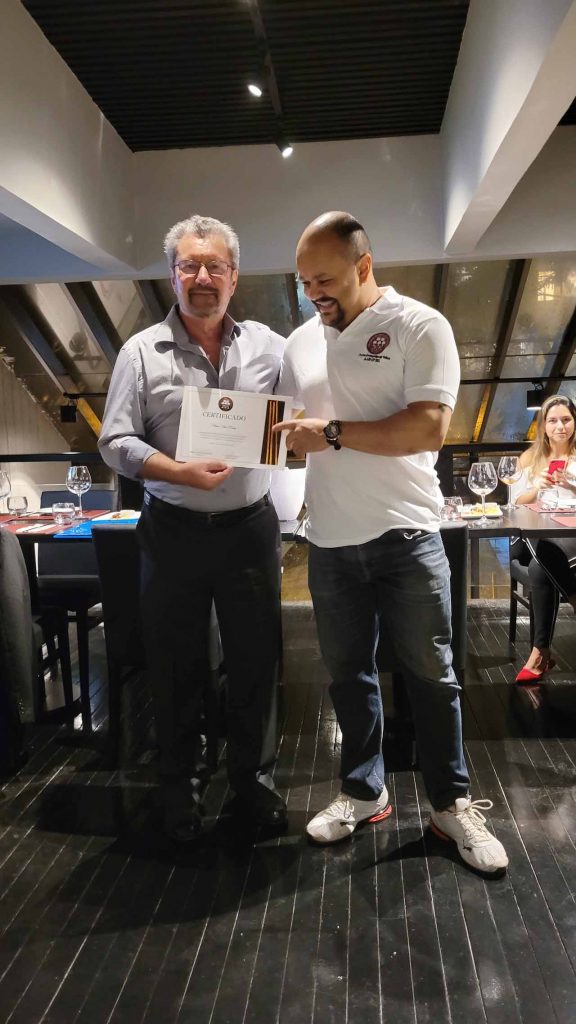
(333, 317)
(205, 306)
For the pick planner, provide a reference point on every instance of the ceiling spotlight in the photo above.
(254, 89)
(68, 412)
(285, 148)
(535, 398)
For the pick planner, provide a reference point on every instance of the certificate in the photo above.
(233, 426)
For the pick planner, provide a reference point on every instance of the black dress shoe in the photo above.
(261, 805)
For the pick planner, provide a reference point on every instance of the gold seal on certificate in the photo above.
(233, 426)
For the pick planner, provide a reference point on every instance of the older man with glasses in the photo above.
(208, 533)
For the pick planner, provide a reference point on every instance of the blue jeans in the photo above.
(403, 577)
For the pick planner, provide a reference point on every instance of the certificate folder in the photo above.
(234, 427)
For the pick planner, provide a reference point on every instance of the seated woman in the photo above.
(551, 563)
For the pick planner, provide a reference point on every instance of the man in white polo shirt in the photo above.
(377, 374)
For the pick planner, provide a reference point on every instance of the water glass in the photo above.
(64, 512)
(548, 498)
(17, 504)
(451, 509)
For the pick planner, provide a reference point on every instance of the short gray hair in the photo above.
(202, 227)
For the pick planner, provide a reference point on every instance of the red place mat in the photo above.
(565, 520)
(537, 508)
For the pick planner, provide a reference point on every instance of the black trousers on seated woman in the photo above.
(552, 573)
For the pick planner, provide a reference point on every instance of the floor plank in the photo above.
(103, 920)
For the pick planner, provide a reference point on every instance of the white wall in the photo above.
(67, 178)
(514, 80)
(64, 171)
(540, 216)
(392, 185)
(24, 427)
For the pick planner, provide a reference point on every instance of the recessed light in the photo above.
(254, 89)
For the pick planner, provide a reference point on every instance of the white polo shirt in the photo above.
(396, 352)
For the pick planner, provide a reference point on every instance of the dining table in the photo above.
(520, 521)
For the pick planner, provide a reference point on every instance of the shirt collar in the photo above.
(387, 302)
(172, 330)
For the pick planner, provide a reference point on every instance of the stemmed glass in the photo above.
(78, 481)
(509, 471)
(17, 504)
(482, 480)
(5, 486)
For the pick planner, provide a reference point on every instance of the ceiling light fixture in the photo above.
(254, 89)
(285, 148)
(535, 398)
(68, 412)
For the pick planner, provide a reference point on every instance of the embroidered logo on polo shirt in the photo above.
(225, 404)
(376, 345)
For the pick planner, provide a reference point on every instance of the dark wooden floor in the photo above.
(103, 920)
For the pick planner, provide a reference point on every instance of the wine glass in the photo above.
(17, 504)
(482, 480)
(4, 484)
(509, 471)
(78, 481)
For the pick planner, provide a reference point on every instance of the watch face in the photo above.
(332, 430)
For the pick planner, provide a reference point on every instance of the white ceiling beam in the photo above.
(515, 78)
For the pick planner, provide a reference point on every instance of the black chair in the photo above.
(519, 577)
(118, 559)
(22, 663)
(18, 658)
(455, 538)
(68, 580)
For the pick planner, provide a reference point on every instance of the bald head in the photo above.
(339, 229)
(334, 259)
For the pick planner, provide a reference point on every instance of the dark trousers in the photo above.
(404, 578)
(188, 561)
(552, 572)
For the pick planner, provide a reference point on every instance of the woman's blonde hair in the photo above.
(539, 452)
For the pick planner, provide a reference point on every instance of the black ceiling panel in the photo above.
(173, 73)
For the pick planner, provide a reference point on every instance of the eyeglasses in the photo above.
(215, 268)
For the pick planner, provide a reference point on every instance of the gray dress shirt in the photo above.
(142, 412)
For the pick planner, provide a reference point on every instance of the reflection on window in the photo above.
(475, 297)
(416, 281)
(74, 343)
(509, 419)
(464, 416)
(264, 298)
(547, 304)
(124, 307)
(307, 308)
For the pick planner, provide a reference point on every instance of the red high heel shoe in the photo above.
(527, 675)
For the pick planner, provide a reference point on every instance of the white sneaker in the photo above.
(344, 814)
(464, 823)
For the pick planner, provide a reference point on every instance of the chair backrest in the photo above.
(60, 559)
(118, 559)
(18, 655)
(455, 540)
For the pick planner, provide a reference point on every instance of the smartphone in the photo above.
(556, 464)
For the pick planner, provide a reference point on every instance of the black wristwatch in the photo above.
(332, 432)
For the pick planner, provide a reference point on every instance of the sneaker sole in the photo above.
(497, 873)
(365, 821)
